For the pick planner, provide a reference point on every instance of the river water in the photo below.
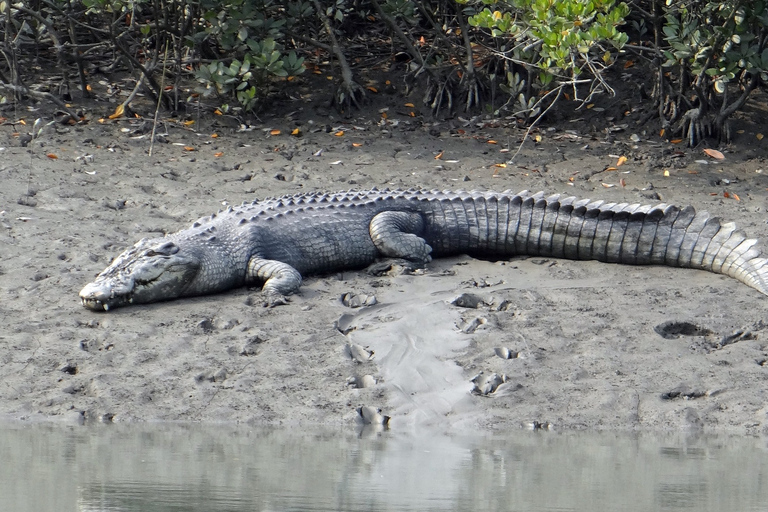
(162, 467)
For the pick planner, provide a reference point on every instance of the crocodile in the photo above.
(276, 241)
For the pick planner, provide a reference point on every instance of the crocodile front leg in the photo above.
(395, 235)
(280, 279)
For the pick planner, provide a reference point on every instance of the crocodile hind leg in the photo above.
(280, 279)
(395, 235)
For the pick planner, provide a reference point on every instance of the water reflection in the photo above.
(221, 468)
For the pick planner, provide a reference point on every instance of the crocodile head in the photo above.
(150, 271)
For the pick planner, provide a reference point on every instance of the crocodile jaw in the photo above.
(150, 271)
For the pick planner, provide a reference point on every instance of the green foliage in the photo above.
(717, 41)
(247, 33)
(564, 32)
(560, 40)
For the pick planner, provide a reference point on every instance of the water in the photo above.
(163, 468)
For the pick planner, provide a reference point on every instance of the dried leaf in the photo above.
(611, 169)
(384, 115)
(676, 141)
(214, 135)
(119, 111)
(492, 142)
(21, 121)
(357, 144)
(339, 133)
(372, 89)
(628, 64)
(52, 156)
(412, 114)
(608, 185)
(274, 132)
(439, 155)
(590, 106)
(296, 132)
(661, 132)
(218, 112)
(622, 159)
(188, 148)
(500, 166)
(410, 105)
(714, 154)
(189, 123)
(735, 196)
(217, 155)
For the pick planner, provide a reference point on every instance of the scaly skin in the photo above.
(276, 241)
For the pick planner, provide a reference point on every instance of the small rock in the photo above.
(468, 300)
(505, 353)
(352, 300)
(372, 416)
(485, 383)
(357, 353)
(366, 381)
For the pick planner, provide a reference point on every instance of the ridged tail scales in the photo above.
(610, 232)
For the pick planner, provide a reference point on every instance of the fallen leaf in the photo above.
(759, 136)
(676, 141)
(410, 105)
(339, 133)
(500, 166)
(357, 144)
(188, 148)
(661, 132)
(726, 194)
(296, 132)
(214, 135)
(88, 88)
(714, 154)
(611, 169)
(220, 153)
(628, 64)
(571, 179)
(735, 196)
(622, 159)
(372, 89)
(384, 115)
(274, 132)
(218, 112)
(119, 111)
(21, 121)
(189, 123)
(439, 155)
(492, 142)
(412, 114)
(608, 185)
(52, 156)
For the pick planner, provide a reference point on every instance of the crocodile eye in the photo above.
(166, 249)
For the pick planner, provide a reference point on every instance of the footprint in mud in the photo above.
(673, 329)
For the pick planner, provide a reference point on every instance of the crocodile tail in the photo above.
(637, 234)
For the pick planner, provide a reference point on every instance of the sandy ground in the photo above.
(589, 353)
